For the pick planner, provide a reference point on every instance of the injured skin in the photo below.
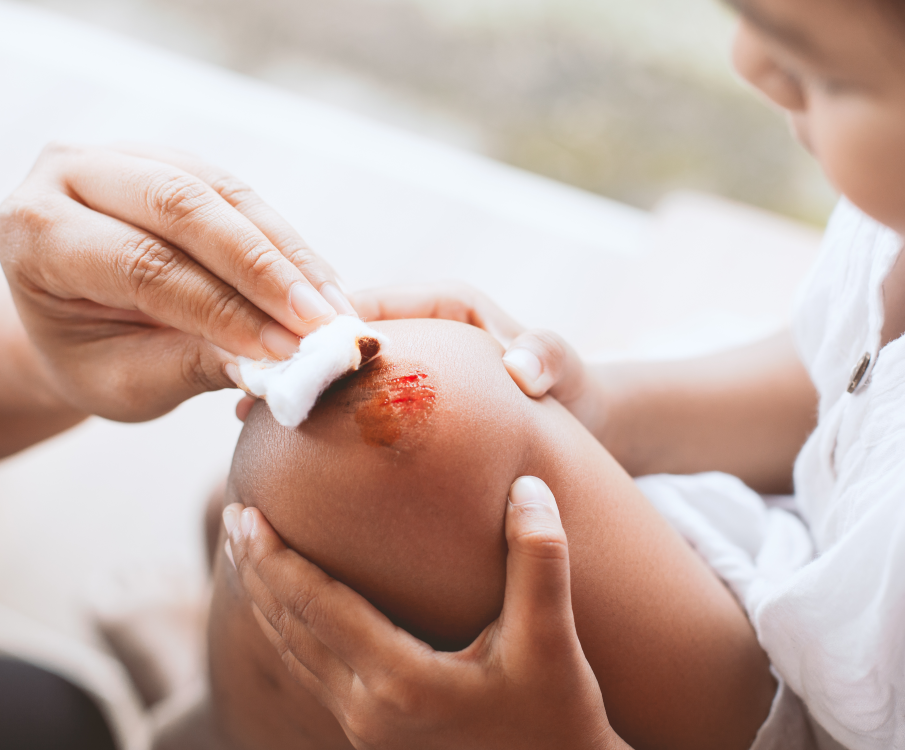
(397, 485)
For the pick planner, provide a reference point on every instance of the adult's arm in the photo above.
(141, 274)
(746, 411)
(30, 410)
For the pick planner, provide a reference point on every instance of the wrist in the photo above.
(26, 378)
(30, 404)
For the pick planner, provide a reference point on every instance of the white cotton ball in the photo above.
(292, 387)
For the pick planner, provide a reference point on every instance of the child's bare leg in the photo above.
(417, 528)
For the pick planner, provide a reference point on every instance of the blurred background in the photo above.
(630, 100)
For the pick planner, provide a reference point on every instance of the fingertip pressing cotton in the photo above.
(292, 387)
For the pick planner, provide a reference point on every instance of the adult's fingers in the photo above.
(442, 300)
(537, 609)
(186, 212)
(542, 362)
(112, 263)
(341, 619)
(247, 202)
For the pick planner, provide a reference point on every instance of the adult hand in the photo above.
(541, 362)
(139, 274)
(524, 683)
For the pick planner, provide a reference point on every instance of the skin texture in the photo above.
(138, 274)
(417, 527)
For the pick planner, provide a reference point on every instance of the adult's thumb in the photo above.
(537, 610)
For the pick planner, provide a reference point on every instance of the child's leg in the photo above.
(416, 526)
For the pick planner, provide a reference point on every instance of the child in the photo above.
(823, 584)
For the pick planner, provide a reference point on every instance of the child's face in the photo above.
(838, 68)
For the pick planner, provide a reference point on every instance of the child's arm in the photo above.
(746, 412)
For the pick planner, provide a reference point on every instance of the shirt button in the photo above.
(858, 373)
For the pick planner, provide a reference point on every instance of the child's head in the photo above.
(838, 68)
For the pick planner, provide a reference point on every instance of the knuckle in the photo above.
(399, 694)
(29, 216)
(58, 156)
(260, 261)
(233, 190)
(175, 198)
(220, 311)
(307, 604)
(545, 542)
(307, 261)
(279, 618)
(259, 264)
(552, 345)
(197, 372)
(149, 264)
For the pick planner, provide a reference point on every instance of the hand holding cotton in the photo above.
(292, 387)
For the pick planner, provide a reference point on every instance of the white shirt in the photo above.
(827, 596)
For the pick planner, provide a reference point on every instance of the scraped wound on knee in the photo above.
(392, 405)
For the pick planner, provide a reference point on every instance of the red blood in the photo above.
(394, 407)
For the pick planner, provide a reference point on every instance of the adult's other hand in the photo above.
(139, 275)
(524, 683)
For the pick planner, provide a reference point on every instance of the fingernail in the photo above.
(527, 490)
(247, 522)
(232, 372)
(337, 299)
(230, 519)
(227, 548)
(308, 304)
(279, 341)
(525, 362)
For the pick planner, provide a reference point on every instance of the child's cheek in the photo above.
(860, 148)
